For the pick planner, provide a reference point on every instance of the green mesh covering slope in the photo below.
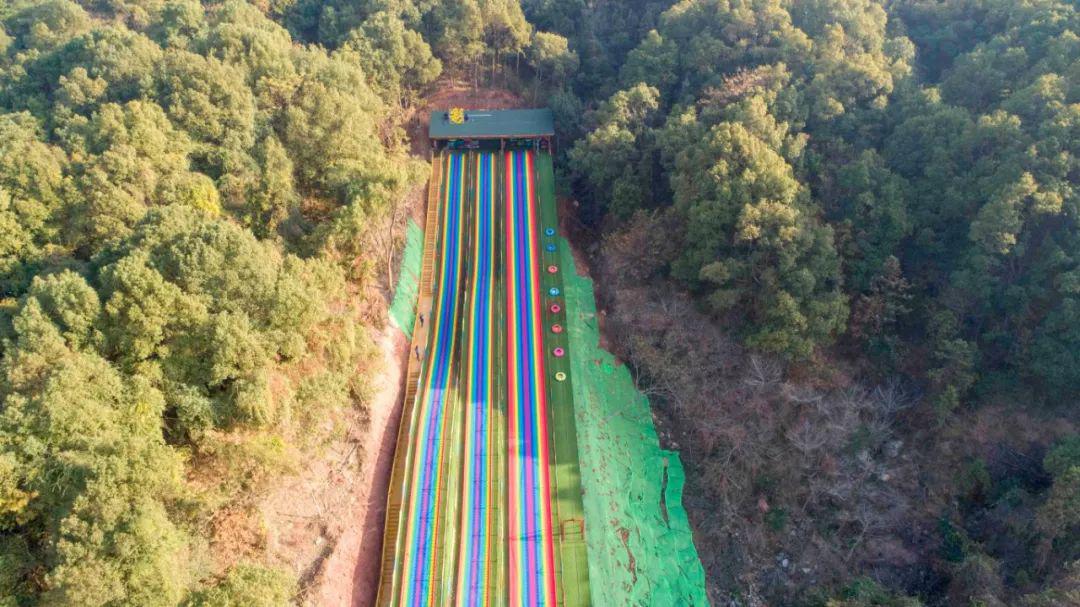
(640, 547)
(403, 308)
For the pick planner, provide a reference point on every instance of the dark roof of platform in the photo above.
(493, 124)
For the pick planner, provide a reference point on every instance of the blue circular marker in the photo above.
(550, 231)
(553, 291)
(550, 248)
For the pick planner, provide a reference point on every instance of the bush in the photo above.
(248, 585)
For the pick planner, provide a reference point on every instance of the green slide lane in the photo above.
(568, 511)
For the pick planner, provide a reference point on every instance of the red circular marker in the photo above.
(558, 352)
(553, 269)
(556, 328)
(555, 308)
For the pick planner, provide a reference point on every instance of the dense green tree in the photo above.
(655, 62)
(178, 23)
(275, 196)
(564, 16)
(72, 306)
(138, 138)
(34, 192)
(854, 62)
(32, 174)
(400, 60)
(44, 26)
(601, 33)
(551, 57)
(248, 585)
(738, 82)
(238, 34)
(123, 156)
(1054, 353)
(717, 37)
(121, 59)
(456, 30)
(750, 234)
(333, 120)
(330, 22)
(618, 143)
(69, 415)
(1059, 517)
(142, 309)
(870, 205)
(207, 99)
(506, 32)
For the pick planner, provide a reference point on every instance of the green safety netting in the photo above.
(640, 547)
(403, 308)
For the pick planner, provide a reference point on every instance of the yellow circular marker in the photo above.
(560, 376)
(457, 115)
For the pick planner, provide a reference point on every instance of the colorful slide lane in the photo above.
(531, 578)
(426, 495)
(481, 549)
(476, 525)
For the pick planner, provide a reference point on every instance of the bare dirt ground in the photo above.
(462, 94)
(348, 575)
(456, 93)
(321, 515)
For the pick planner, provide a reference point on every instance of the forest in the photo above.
(836, 241)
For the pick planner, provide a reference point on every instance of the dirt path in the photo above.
(350, 574)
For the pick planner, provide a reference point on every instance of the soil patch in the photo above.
(349, 574)
(449, 94)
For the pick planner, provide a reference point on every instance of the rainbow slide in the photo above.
(471, 519)
(480, 551)
(426, 492)
(531, 552)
